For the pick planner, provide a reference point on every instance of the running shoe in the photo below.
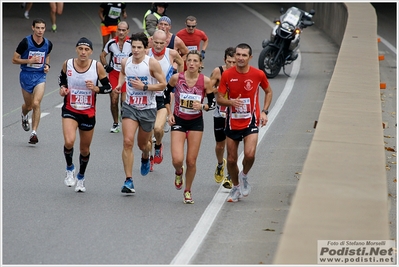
(54, 28)
(166, 127)
(187, 198)
(115, 128)
(128, 186)
(219, 172)
(70, 177)
(33, 138)
(145, 166)
(244, 185)
(26, 14)
(234, 194)
(25, 122)
(179, 179)
(151, 164)
(227, 182)
(80, 185)
(158, 157)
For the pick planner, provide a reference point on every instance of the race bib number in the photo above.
(187, 103)
(192, 47)
(138, 99)
(117, 59)
(33, 54)
(114, 12)
(223, 111)
(243, 112)
(81, 99)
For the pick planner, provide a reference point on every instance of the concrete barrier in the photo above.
(342, 192)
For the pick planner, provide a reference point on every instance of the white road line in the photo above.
(194, 241)
(43, 114)
(385, 42)
(138, 22)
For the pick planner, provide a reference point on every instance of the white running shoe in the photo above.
(70, 179)
(115, 128)
(244, 185)
(80, 186)
(235, 194)
(166, 127)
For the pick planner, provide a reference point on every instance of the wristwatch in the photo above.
(265, 111)
(145, 87)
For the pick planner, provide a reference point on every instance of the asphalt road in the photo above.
(44, 222)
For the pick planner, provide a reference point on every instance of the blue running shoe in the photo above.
(128, 187)
(145, 166)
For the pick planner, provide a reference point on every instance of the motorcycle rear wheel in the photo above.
(268, 62)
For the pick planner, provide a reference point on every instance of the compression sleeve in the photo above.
(167, 92)
(211, 101)
(62, 79)
(106, 87)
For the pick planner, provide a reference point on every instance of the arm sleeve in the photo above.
(62, 79)
(106, 87)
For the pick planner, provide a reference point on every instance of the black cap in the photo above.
(86, 42)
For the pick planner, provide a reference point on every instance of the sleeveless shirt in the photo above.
(81, 99)
(167, 68)
(185, 97)
(137, 98)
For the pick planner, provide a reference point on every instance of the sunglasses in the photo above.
(191, 26)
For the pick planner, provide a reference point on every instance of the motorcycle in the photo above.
(282, 47)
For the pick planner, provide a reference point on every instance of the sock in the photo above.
(70, 168)
(80, 176)
(83, 160)
(158, 146)
(68, 153)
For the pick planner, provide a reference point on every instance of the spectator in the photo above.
(152, 16)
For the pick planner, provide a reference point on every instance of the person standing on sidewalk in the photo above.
(110, 15)
(118, 48)
(241, 84)
(33, 54)
(143, 76)
(190, 88)
(219, 119)
(166, 57)
(78, 83)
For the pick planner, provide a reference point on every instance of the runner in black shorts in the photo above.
(219, 120)
(185, 126)
(85, 123)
